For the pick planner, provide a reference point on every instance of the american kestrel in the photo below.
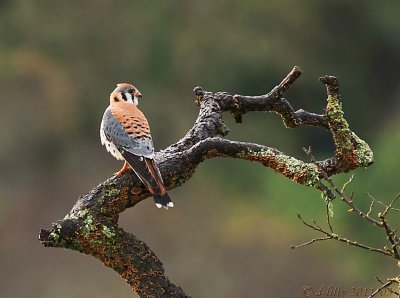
(126, 134)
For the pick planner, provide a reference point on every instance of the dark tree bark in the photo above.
(92, 227)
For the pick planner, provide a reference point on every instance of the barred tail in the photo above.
(147, 171)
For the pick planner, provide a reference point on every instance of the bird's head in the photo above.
(125, 93)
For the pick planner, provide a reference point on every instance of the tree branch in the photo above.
(92, 227)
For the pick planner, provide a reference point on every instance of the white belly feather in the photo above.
(109, 146)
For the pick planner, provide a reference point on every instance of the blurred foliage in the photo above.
(59, 60)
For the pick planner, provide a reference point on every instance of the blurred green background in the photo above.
(234, 221)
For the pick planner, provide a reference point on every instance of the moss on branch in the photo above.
(91, 227)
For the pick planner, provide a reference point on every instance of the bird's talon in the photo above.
(125, 168)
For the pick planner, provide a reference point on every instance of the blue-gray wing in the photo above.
(116, 139)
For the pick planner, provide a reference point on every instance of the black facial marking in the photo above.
(124, 96)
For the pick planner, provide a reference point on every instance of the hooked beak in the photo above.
(137, 94)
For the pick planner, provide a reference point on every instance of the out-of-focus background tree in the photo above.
(230, 233)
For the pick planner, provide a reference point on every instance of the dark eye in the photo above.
(131, 90)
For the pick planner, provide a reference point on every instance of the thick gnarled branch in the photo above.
(92, 227)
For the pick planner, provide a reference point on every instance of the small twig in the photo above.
(328, 217)
(343, 197)
(380, 203)
(326, 191)
(316, 227)
(310, 242)
(292, 76)
(384, 285)
(347, 183)
(370, 208)
(389, 207)
(307, 224)
(391, 236)
(398, 241)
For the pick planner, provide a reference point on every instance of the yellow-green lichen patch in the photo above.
(297, 170)
(334, 110)
(117, 204)
(364, 152)
(89, 225)
(63, 241)
(55, 233)
(83, 212)
(108, 232)
(112, 191)
(350, 149)
(338, 124)
(54, 236)
(95, 242)
(177, 180)
(103, 210)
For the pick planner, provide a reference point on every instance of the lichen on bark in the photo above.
(91, 227)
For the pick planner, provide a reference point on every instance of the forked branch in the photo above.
(92, 227)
